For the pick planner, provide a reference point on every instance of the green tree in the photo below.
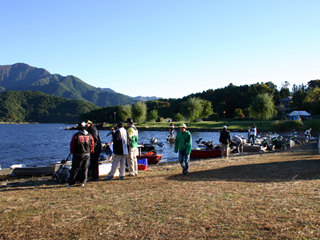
(262, 107)
(153, 115)
(238, 113)
(192, 108)
(312, 101)
(125, 111)
(139, 111)
(178, 117)
(206, 109)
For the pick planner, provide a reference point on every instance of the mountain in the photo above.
(33, 106)
(140, 98)
(22, 77)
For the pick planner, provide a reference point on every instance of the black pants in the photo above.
(94, 159)
(79, 169)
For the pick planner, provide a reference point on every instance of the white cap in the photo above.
(224, 126)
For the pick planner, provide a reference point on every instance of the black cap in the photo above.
(129, 120)
(82, 125)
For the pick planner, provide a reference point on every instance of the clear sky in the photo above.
(165, 48)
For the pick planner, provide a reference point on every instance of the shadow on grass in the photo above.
(266, 172)
(29, 183)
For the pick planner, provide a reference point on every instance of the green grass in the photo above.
(232, 125)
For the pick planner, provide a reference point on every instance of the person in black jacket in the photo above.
(225, 140)
(121, 150)
(94, 157)
(81, 146)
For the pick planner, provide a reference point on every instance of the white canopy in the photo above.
(299, 113)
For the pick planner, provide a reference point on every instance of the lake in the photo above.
(42, 144)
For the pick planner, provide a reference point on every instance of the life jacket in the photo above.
(83, 143)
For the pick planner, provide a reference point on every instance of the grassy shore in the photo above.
(212, 125)
(263, 196)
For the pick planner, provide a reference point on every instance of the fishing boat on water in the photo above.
(152, 157)
(205, 153)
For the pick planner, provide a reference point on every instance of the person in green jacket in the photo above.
(183, 143)
(133, 148)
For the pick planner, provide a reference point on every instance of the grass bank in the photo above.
(209, 125)
(264, 196)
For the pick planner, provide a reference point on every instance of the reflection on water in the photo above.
(41, 144)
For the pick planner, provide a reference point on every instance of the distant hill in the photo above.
(33, 106)
(22, 77)
(140, 98)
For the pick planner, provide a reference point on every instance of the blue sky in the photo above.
(165, 48)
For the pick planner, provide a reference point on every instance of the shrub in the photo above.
(286, 126)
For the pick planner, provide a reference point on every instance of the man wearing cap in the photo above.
(81, 146)
(133, 148)
(224, 139)
(183, 143)
(94, 157)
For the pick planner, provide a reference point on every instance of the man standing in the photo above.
(120, 149)
(81, 146)
(224, 139)
(133, 148)
(94, 157)
(183, 143)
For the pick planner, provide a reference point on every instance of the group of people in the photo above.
(86, 147)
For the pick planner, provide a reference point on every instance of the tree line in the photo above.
(259, 101)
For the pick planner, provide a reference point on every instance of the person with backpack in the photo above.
(81, 145)
(121, 150)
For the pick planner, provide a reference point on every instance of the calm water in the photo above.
(41, 144)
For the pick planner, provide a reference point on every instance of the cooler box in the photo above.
(143, 164)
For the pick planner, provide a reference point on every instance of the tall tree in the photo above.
(206, 109)
(262, 107)
(192, 108)
(125, 111)
(139, 111)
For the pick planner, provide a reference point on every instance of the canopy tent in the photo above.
(296, 115)
(299, 113)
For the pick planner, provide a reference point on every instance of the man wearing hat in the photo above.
(225, 140)
(81, 146)
(183, 143)
(133, 148)
(94, 157)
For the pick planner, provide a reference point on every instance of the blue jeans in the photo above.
(184, 160)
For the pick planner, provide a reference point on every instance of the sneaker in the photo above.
(186, 173)
(82, 184)
(108, 178)
(68, 185)
(121, 178)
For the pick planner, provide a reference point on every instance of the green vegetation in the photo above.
(22, 77)
(262, 107)
(31, 106)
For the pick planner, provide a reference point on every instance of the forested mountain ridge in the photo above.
(33, 106)
(22, 77)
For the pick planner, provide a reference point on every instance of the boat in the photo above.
(152, 157)
(171, 138)
(32, 170)
(205, 153)
(5, 173)
(253, 148)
